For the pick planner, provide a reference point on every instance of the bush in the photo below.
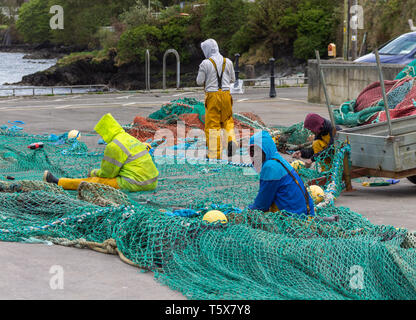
(175, 35)
(223, 19)
(82, 20)
(137, 15)
(134, 42)
(316, 28)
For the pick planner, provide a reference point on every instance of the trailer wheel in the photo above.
(412, 179)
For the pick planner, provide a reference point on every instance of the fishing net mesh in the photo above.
(254, 255)
(368, 107)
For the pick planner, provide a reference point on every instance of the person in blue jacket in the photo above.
(281, 188)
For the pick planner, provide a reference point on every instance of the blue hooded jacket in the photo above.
(276, 184)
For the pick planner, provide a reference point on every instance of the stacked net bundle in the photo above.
(254, 255)
(369, 105)
(186, 115)
(408, 71)
(178, 107)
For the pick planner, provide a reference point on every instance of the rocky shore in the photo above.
(87, 70)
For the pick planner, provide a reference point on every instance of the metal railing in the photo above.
(55, 89)
(279, 81)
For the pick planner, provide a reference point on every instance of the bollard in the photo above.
(147, 70)
(272, 85)
(236, 69)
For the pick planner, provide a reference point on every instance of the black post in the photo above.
(272, 85)
(236, 69)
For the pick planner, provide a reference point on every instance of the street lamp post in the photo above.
(272, 84)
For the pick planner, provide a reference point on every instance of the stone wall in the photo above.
(345, 83)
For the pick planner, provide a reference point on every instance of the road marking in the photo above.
(271, 100)
(64, 99)
(82, 106)
(124, 97)
(182, 94)
(63, 107)
(241, 100)
(13, 100)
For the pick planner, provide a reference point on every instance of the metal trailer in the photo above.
(386, 149)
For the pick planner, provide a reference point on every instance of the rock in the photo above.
(42, 55)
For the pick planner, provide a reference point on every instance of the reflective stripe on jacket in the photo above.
(125, 158)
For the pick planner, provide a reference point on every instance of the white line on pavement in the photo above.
(182, 94)
(63, 107)
(13, 100)
(68, 98)
(124, 97)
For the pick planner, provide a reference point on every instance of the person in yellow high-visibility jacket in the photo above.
(126, 164)
(216, 73)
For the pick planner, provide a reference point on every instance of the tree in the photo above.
(316, 28)
(33, 22)
(223, 19)
(269, 30)
(134, 42)
(82, 20)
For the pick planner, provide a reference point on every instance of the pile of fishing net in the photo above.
(368, 107)
(254, 255)
(186, 114)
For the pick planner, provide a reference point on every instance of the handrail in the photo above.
(178, 68)
(53, 88)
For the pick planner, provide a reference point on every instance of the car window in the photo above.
(399, 46)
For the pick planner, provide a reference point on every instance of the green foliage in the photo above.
(95, 56)
(270, 25)
(175, 36)
(316, 26)
(136, 15)
(134, 42)
(33, 22)
(222, 19)
(82, 20)
(295, 27)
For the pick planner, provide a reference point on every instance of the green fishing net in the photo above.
(178, 107)
(254, 255)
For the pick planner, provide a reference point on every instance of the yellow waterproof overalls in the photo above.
(218, 115)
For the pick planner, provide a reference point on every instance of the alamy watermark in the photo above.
(357, 277)
(56, 282)
(192, 147)
(57, 20)
(357, 17)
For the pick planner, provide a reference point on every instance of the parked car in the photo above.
(401, 50)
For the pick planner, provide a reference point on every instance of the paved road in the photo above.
(58, 113)
(90, 275)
